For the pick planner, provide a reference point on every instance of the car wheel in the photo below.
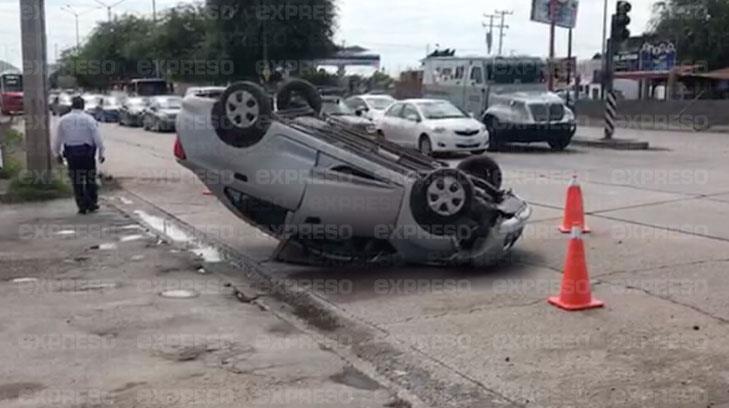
(145, 124)
(440, 200)
(298, 88)
(560, 143)
(242, 116)
(380, 134)
(425, 146)
(485, 168)
(493, 125)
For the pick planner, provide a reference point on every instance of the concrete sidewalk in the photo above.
(84, 325)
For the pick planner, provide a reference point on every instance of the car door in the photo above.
(475, 90)
(389, 125)
(410, 120)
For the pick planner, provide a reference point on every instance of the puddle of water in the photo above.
(179, 294)
(176, 234)
(356, 379)
(129, 238)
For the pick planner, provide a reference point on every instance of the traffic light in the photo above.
(621, 21)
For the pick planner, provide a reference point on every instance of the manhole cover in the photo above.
(178, 294)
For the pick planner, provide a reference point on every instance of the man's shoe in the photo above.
(94, 208)
(82, 211)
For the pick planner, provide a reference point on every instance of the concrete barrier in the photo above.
(658, 115)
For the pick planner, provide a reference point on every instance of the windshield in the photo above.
(136, 102)
(149, 88)
(12, 83)
(380, 102)
(170, 103)
(440, 110)
(110, 101)
(91, 100)
(64, 99)
(336, 108)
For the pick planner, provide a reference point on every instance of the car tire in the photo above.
(440, 201)
(485, 168)
(380, 135)
(301, 88)
(493, 125)
(425, 146)
(242, 116)
(560, 143)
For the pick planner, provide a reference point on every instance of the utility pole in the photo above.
(109, 7)
(490, 32)
(33, 38)
(552, 29)
(502, 27)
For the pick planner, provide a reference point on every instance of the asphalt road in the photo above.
(658, 256)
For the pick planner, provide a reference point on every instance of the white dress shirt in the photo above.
(77, 128)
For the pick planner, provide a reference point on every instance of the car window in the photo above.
(355, 103)
(459, 72)
(409, 111)
(394, 110)
(441, 110)
(380, 103)
(477, 75)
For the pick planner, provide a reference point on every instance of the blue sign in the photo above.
(657, 57)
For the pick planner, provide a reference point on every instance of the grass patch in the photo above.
(13, 153)
(12, 168)
(29, 187)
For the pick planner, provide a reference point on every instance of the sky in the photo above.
(399, 30)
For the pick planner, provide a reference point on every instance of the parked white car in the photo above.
(370, 106)
(433, 125)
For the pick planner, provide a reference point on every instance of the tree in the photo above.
(260, 35)
(697, 28)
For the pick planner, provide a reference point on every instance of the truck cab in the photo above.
(509, 94)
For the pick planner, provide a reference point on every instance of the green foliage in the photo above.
(697, 27)
(28, 187)
(219, 41)
(11, 168)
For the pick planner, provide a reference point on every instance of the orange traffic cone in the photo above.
(574, 213)
(575, 293)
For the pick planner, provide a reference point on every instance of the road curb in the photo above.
(416, 374)
(614, 144)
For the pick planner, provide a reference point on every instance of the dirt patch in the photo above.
(16, 390)
(317, 317)
(354, 378)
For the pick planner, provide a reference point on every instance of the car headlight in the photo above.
(439, 129)
(568, 114)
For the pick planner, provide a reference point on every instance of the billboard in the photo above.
(645, 54)
(565, 12)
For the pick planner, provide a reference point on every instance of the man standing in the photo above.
(78, 139)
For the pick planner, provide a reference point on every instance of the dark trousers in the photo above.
(82, 171)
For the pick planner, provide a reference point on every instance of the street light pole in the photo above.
(67, 8)
(109, 7)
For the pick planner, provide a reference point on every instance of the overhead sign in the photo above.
(565, 12)
(646, 55)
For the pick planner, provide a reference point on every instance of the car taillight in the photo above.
(179, 151)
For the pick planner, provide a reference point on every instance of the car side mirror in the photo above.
(359, 112)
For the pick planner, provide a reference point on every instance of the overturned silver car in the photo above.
(334, 192)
